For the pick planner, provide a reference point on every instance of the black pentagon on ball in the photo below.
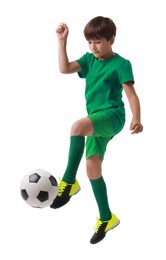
(53, 180)
(35, 177)
(43, 196)
(24, 194)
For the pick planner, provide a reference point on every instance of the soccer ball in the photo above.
(39, 188)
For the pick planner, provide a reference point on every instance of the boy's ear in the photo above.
(112, 40)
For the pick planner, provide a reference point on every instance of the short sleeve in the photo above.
(125, 72)
(83, 63)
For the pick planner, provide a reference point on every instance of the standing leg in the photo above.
(95, 151)
(107, 219)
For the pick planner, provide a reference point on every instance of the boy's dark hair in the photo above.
(100, 27)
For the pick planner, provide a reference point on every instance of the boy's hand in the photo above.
(62, 31)
(136, 127)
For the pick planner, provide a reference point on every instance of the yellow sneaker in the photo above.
(65, 192)
(102, 227)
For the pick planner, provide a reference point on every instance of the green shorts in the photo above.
(105, 128)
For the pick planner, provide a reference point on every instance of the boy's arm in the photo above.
(135, 126)
(64, 65)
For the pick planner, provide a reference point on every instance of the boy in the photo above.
(107, 74)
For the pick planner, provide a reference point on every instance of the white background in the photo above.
(38, 106)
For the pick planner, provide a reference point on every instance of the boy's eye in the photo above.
(96, 42)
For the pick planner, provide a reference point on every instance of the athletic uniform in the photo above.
(103, 93)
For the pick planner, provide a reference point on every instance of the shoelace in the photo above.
(61, 187)
(98, 225)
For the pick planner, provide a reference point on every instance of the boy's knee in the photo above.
(93, 167)
(76, 129)
(83, 127)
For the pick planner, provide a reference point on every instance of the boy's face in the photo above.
(101, 48)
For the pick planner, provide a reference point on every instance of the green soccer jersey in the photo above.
(104, 79)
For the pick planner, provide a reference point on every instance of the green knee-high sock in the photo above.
(100, 193)
(76, 150)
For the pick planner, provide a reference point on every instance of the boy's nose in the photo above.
(93, 46)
